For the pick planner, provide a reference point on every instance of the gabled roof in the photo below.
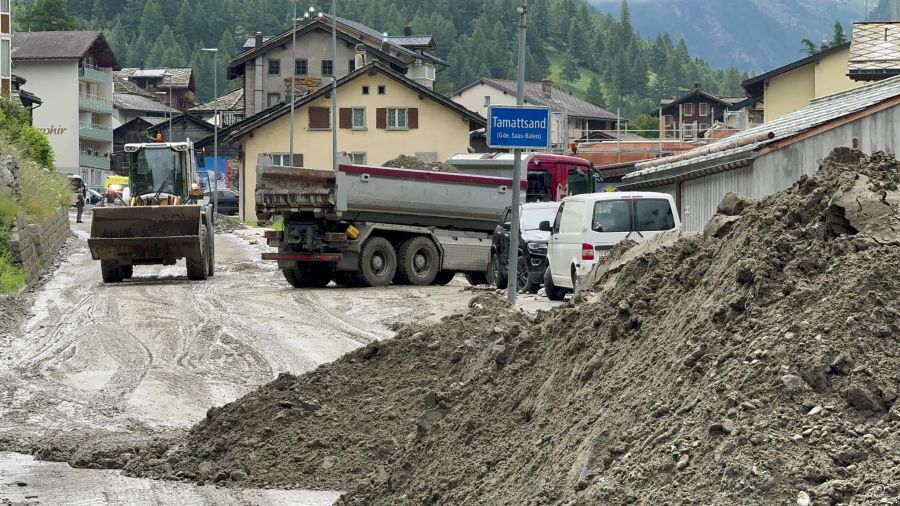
(874, 51)
(347, 30)
(250, 124)
(129, 102)
(754, 85)
(822, 112)
(62, 46)
(183, 118)
(413, 41)
(177, 78)
(558, 101)
(141, 122)
(233, 101)
(124, 86)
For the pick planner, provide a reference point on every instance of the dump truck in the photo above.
(373, 226)
(163, 220)
(551, 177)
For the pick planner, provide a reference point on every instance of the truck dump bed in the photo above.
(384, 195)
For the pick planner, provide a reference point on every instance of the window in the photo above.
(365, 90)
(327, 68)
(4, 59)
(612, 216)
(281, 159)
(351, 65)
(319, 118)
(703, 126)
(273, 99)
(381, 89)
(704, 109)
(4, 6)
(397, 118)
(301, 66)
(358, 158)
(653, 215)
(579, 180)
(274, 66)
(487, 100)
(688, 109)
(558, 218)
(359, 118)
(669, 121)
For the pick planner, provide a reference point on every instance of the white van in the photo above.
(588, 226)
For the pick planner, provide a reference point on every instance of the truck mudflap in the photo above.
(145, 233)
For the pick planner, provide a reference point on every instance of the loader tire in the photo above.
(418, 262)
(198, 267)
(477, 278)
(111, 271)
(211, 252)
(444, 277)
(378, 262)
(127, 271)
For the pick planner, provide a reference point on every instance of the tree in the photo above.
(570, 70)
(49, 15)
(594, 93)
(838, 38)
(809, 47)
(647, 126)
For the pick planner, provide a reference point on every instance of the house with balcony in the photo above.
(72, 73)
(267, 68)
(691, 115)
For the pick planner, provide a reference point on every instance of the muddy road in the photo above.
(153, 353)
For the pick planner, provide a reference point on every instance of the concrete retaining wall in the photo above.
(34, 246)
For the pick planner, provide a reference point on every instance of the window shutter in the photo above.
(412, 119)
(381, 118)
(318, 118)
(298, 160)
(345, 117)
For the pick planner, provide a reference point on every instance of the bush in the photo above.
(11, 278)
(36, 146)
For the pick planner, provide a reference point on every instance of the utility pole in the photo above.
(512, 286)
(334, 112)
(215, 192)
(293, 77)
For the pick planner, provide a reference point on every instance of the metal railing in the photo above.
(93, 161)
(95, 132)
(95, 103)
(92, 73)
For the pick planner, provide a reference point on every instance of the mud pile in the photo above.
(409, 162)
(757, 363)
(227, 224)
(335, 426)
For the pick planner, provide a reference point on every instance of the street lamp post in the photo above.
(215, 199)
(334, 118)
(169, 112)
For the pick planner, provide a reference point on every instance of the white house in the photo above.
(72, 73)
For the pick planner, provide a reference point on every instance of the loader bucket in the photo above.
(145, 234)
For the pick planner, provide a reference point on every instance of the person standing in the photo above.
(79, 204)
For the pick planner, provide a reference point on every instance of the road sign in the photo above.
(518, 127)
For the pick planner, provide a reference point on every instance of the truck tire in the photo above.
(553, 293)
(111, 271)
(308, 276)
(378, 262)
(348, 279)
(127, 271)
(198, 267)
(499, 275)
(476, 278)
(418, 261)
(444, 277)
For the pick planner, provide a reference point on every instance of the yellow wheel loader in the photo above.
(163, 220)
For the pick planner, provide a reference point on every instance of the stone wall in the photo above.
(34, 246)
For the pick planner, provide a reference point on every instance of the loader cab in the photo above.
(161, 173)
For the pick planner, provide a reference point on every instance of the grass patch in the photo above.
(12, 278)
(579, 87)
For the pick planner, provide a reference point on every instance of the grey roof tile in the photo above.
(177, 77)
(129, 102)
(875, 47)
(60, 46)
(229, 101)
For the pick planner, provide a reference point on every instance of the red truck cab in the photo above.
(550, 177)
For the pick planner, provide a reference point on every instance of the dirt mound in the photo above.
(12, 310)
(227, 224)
(409, 162)
(758, 363)
(340, 423)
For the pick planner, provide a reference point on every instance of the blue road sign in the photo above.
(518, 127)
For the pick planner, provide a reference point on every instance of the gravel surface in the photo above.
(758, 363)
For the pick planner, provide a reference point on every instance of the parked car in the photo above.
(227, 201)
(587, 227)
(532, 246)
(92, 196)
